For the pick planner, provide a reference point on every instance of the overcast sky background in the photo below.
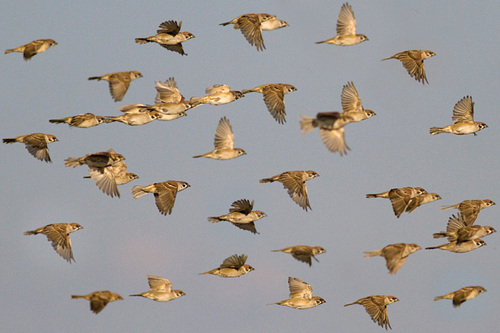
(124, 240)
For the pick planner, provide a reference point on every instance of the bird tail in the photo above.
(447, 296)
(72, 162)
(31, 232)
(198, 100)
(448, 207)
(373, 195)
(440, 234)
(348, 304)
(58, 121)
(138, 191)
(136, 295)
(376, 253)
(142, 40)
(433, 247)
(266, 180)
(435, 130)
(389, 58)
(198, 156)
(307, 124)
(225, 23)
(246, 91)
(214, 219)
(17, 49)
(321, 42)
(77, 296)
(9, 140)
(98, 78)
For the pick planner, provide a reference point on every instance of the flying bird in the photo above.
(461, 247)
(168, 36)
(401, 198)
(231, 267)
(58, 234)
(108, 178)
(218, 94)
(470, 209)
(295, 184)
(251, 26)
(36, 144)
(135, 119)
(82, 120)
(457, 230)
(303, 253)
(223, 143)
(300, 295)
(413, 62)
(118, 82)
(461, 295)
(395, 255)
(33, 48)
(164, 193)
(274, 97)
(376, 307)
(463, 115)
(241, 215)
(161, 290)
(351, 104)
(99, 299)
(169, 100)
(346, 29)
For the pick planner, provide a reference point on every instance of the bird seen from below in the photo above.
(346, 29)
(161, 290)
(301, 297)
(223, 143)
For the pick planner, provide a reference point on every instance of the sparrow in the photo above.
(231, 267)
(118, 82)
(273, 24)
(218, 94)
(462, 247)
(331, 129)
(470, 209)
(463, 115)
(58, 234)
(303, 253)
(346, 29)
(96, 160)
(295, 183)
(169, 36)
(32, 48)
(161, 111)
(400, 197)
(164, 193)
(395, 255)
(461, 295)
(223, 143)
(241, 215)
(251, 27)
(413, 62)
(36, 144)
(421, 199)
(169, 99)
(161, 290)
(110, 177)
(82, 120)
(351, 104)
(274, 97)
(300, 295)
(376, 307)
(136, 119)
(459, 231)
(99, 299)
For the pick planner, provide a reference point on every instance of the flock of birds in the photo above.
(109, 170)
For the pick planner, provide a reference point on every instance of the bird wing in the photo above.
(158, 283)
(463, 111)
(346, 23)
(299, 288)
(224, 136)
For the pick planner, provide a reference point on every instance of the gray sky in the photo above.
(124, 240)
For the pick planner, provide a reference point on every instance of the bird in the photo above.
(470, 209)
(108, 178)
(295, 184)
(118, 82)
(351, 104)
(400, 197)
(376, 307)
(164, 193)
(395, 255)
(421, 199)
(169, 36)
(463, 115)
(95, 160)
(161, 290)
(274, 97)
(346, 29)
(36, 144)
(461, 295)
(223, 143)
(58, 234)
(99, 299)
(251, 26)
(136, 119)
(300, 295)
(81, 121)
(303, 253)
(231, 267)
(461, 247)
(413, 62)
(144, 113)
(241, 215)
(169, 99)
(331, 129)
(457, 230)
(33, 48)
(218, 94)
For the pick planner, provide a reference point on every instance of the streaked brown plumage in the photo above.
(223, 143)
(463, 117)
(376, 307)
(241, 215)
(274, 97)
(413, 62)
(303, 253)
(161, 290)
(461, 295)
(251, 27)
(351, 104)
(99, 299)
(300, 295)
(82, 120)
(164, 193)
(461, 247)
(346, 29)
(36, 144)
(231, 267)
(457, 230)
(169, 36)
(118, 82)
(395, 255)
(469, 209)
(33, 48)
